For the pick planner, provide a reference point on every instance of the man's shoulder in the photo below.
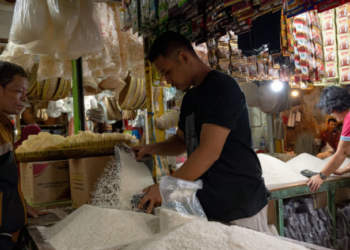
(223, 83)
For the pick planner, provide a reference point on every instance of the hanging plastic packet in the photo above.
(319, 51)
(223, 50)
(163, 11)
(87, 36)
(213, 60)
(198, 33)
(163, 28)
(64, 16)
(153, 12)
(174, 25)
(192, 12)
(211, 29)
(224, 63)
(173, 8)
(235, 67)
(241, 7)
(217, 16)
(134, 9)
(30, 21)
(261, 68)
(125, 16)
(179, 202)
(186, 29)
(145, 15)
(183, 5)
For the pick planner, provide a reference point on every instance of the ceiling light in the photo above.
(276, 86)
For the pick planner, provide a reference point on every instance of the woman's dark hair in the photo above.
(8, 71)
(334, 99)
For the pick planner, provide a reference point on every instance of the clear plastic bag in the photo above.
(65, 15)
(30, 21)
(87, 36)
(179, 202)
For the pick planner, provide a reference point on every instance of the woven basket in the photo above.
(137, 94)
(50, 89)
(112, 83)
(128, 115)
(89, 149)
(90, 86)
(48, 155)
(60, 88)
(113, 112)
(142, 96)
(125, 99)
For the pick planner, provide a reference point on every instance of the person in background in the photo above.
(30, 129)
(214, 128)
(330, 138)
(336, 102)
(13, 208)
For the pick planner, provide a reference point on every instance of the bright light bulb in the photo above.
(295, 93)
(276, 86)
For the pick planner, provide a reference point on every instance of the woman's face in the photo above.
(339, 116)
(13, 96)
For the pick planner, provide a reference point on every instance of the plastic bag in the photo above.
(87, 36)
(179, 202)
(343, 243)
(321, 214)
(65, 16)
(306, 206)
(30, 21)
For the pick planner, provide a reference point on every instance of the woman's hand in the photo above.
(314, 183)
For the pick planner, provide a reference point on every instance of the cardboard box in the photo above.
(84, 173)
(44, 182)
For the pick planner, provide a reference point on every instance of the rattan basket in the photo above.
(48, 155)
(127, 94)
(89, 149)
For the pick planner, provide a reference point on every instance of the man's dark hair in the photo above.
(334, 99)
(8, 71)
(167, 43)
(332, 120)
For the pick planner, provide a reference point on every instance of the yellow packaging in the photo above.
(342, 11)
(344, 75)
(331, 70)
(328, 22)
(344, 58)
(329, 38)
(330, 54)
(342, 25)
(343, 42)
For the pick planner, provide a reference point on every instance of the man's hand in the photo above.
(143, 150)
(35, 213)
(314, 182)
(152, 196)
